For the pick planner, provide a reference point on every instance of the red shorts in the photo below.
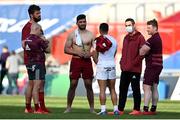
(151, 75)
(81, 66)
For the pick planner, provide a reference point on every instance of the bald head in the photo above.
(36, 29)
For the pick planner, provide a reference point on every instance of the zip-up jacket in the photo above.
(131, 61)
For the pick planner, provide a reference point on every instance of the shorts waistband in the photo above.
(77, 57)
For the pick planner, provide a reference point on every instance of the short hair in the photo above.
(81, 16)
(13, 52)
(153, 22)
(32, 8)
(104, 27)
(131, 20)
(5, 47)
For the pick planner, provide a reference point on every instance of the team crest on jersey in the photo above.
(27, 47)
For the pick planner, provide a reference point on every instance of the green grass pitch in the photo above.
(12, 107)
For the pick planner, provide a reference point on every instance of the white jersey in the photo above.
(106, 59)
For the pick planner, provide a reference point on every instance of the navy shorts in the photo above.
(36, 71)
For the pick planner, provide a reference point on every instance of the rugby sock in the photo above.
(41, 100)
(146, 108)
(115, 108)
(28, 106)
(153, 108)
(103, 108)
(36, 106)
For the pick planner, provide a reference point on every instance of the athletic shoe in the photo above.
(149, 113)
(102, 113)
(135, 112)
(39, 111)
(46, 111)
(110, 113)
(119, 113)
(116, 112)
(28, 110)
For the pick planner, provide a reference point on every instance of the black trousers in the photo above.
(125, 80)
(3, 72)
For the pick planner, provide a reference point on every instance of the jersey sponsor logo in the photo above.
(134, 77)
(27, 47)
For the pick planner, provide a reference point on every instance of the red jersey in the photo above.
(35, 49)
(131, 60)
(154, 57)
(25, 34)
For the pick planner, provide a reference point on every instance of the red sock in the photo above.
(36, 106)
(41, 100)
(28, 106)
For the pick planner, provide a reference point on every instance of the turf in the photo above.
(13, 107)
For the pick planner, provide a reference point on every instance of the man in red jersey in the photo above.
(35, 48)
(35, 16)
(152, 50)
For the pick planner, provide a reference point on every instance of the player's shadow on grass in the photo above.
(17, 112)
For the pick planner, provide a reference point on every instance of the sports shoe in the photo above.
(119, 113)
(46, 111)
(116, 112)
(102, 113)
(28, 110)
(149, 113)
(39, 111)
(135, 112)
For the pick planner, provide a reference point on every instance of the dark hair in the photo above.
(13, 52)
(104, 27)
(6, 47)
(153, 22)
(131, 20)
(81, 16)
(32, 8)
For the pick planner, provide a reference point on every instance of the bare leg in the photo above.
(102, 94)
(90, 94)
(35, 91)
(28, 93)
(147, 96)
(111, 85)
(71, 94)
(155, 95)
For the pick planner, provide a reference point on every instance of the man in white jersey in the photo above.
(106, 68)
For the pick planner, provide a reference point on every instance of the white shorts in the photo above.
(105, 73)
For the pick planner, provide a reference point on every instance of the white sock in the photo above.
(115, 108)
(103, 108)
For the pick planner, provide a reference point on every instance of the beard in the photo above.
(36, 19)
(83, 27)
